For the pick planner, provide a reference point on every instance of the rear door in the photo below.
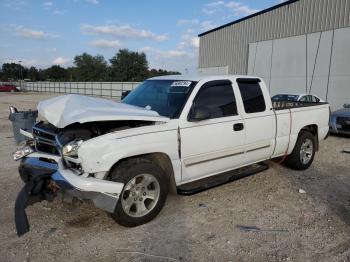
(216, 144)
(259, 120)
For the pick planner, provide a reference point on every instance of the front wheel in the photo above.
(303, 153)
(144, 193)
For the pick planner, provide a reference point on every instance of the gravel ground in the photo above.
(311, 226)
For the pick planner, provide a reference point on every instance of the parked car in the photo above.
(297, 97)
(170, 134)
(340, 121)
(8, 88)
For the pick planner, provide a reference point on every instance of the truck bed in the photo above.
(282, 105)
(291, 117)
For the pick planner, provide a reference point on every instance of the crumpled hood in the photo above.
(64, 110)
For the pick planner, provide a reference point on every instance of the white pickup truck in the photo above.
(170, 134)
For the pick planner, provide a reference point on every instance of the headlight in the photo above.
(71, 149)
(22, 153)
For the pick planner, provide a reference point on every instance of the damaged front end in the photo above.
(50, 162)
(46, 172)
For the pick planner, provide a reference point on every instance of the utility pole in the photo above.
(20, 74)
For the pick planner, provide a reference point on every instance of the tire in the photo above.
(130, 211)
(303, 153)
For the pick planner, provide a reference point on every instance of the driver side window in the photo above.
(218, 98)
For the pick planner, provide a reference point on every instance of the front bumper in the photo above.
(45, 175)
(335, 129)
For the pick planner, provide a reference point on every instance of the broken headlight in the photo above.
(71, 148)
(24, 151)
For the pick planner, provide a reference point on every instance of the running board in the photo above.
(217, 180)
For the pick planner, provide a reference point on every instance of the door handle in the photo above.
(238, 127)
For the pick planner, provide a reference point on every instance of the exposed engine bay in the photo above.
(47, 134)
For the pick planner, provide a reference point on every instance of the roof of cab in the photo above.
(198, 77)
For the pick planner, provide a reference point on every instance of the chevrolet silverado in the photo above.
(171, 134)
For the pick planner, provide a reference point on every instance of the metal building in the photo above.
(299, 46)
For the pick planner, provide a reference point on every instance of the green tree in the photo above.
(56, 73)
(42, 76)
(161, 72)
(129, 66)
(72, 74)
(13, 71)
(90, 68)
(33, 74)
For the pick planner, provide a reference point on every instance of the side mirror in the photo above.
(124, 94)
(199, 113)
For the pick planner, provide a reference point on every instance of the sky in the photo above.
(44, 33)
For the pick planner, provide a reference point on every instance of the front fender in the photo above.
(99, 155)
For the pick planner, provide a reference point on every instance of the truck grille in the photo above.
(45, 140)
(344, 122)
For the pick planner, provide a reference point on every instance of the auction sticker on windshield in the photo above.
(181, 83)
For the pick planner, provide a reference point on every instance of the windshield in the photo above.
(285, 98)
(167, 97)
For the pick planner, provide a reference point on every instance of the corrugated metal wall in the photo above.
(229, 46)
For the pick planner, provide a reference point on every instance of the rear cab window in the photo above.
(252, 95)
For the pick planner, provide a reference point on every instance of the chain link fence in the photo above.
(102, 89)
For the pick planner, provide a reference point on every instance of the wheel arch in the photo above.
(159, 158)
(313, 129)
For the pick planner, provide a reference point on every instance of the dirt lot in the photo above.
(314, 226)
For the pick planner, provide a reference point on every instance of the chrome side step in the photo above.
(220, 179)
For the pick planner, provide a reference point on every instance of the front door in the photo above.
(216, 144)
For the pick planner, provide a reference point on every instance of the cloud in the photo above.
(14, 4)
(194, 42)
(94, 2)
(187, 22)
(238, 9)
(204, 25)
(61, 61)
(173, 59)
(30, 33)
(188, 41)
(164, 54)
(207, 25)
(122, 31)
(59, 12)
(48, 4)
(51, 49)
(211, 8)
(33, 34)
(105, 44)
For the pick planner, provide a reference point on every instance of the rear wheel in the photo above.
(303, 153)
(144, 193)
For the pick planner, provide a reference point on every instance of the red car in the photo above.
(8, 88)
